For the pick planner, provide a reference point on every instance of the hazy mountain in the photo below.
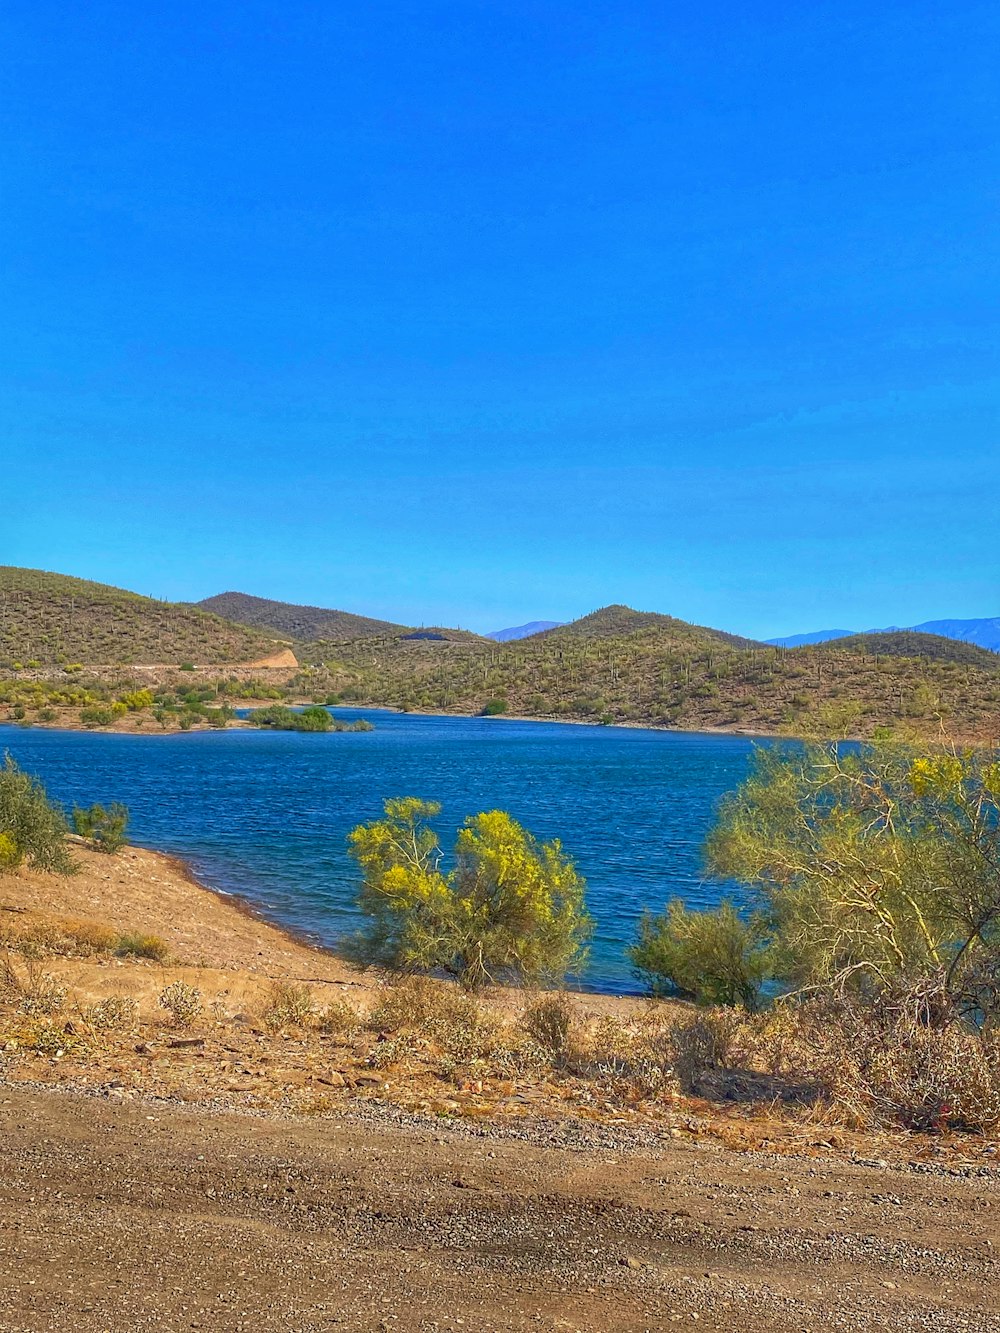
(985, 633)
(523, 631)
(817, 636)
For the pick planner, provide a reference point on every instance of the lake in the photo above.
(265, 814)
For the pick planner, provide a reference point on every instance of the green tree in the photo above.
(104, 827)
(510, 909)
(877, 867)
(32, 828)
(713, 957)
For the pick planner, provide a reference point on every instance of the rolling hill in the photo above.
(615, 665)
(306, 623)
(664, 672)
(52, 619)
(617, 621)
(915, 644)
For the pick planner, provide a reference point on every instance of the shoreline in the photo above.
(244, 724)
(305, 939)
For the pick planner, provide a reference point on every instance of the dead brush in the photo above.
(889, 1070)
(416, 1001)
(115, 1013)
(64, 937)
(633, 1055)
(182, 1002)
(339, 1019)
(25, 984)
(289, 1004)
(444, 1025)
(552, 1022)
(705, 1042)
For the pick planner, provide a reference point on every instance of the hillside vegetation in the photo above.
(914, 643)
(668, 673)
(308, 623)
(53, 620)
(616, 665)
(612, 622)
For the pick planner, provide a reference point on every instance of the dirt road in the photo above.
(117, 1217)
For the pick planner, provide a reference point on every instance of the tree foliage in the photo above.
(511, 908)
(104, 827)
(713, 957)
(875, 866)
(32, 828)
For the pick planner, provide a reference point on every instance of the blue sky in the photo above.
(482, 312)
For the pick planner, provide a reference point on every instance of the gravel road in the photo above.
(135, 1216)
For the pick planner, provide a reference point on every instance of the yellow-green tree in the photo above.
(876, 866)
(510, 908)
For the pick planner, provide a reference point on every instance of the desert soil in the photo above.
(127, 1217)
(249, 1179)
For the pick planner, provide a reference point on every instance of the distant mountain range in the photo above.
(985, 633)
(523, 631)
(616, 664)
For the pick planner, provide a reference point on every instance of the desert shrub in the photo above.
(137, 700)
(549, 1022)
(887, 1067)
(114, 1013)
(714, 957)
(51, 1039)
(494, 707)
(182, 1002)
(93, 716)
(282, 718)
(138, 944)
(69, 938)
(705, 1041)
(439, 1016)
(34, 829)
(289, 1004)
(638, 1055)
(24, 982)
(338, 1018)
(315, 718)
(511, 909)
(416, 1001)
(104, 828)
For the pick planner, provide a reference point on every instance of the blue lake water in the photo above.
(265, 814)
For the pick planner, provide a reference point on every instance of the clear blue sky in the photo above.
(481, 312)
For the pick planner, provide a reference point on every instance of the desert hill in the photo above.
(915, 644)
(666, 673)
(292, 621)
(617, 621)
(53, 619)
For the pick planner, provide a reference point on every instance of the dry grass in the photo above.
(68, 937)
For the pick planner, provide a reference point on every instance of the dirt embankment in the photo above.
(263, 1169)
